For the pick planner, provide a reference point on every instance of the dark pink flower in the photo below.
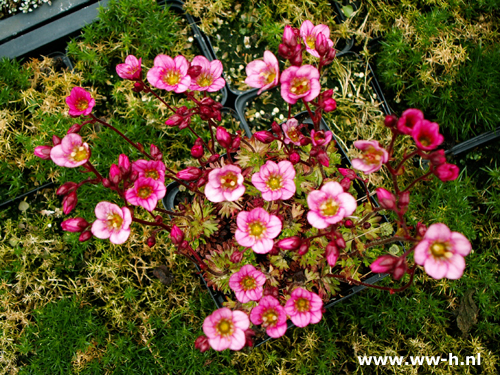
(447, 172)
(300, 83)
(263, 74)
(442, 252)
(112, 222)
(304, 307)
(247, 284)
(146, 193)
(131, 69)
(329, 205)
(257, 229)
(225, 329)
(309, 34)
(150, 168)
(372, 158)
(77, 224)
(275, 181)
(43, 152)
(210, 77)
(292, 132)
(225, 184)
(271, 315)
(71, 152)
(80, 102)
(426, 135)
(170, 74)
(321, 138)
(409, 119)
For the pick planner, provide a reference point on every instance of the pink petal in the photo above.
(215, 68)
(438, 232)
(274, 227)
(237, 340)
(240, 320)
(216, 85)
(242, 220)
(263, 246)
(277, 331)
(461, 244)
(349, 204)
(456, 266)
(218, 343)
(212, 193)
(234, 194)
(100, 229)
(332, 188)
(316, 221)
(164, 61)
(421, 252)
(244, 239)
(435, 268)
(301, 319)
(286, 169)
(119, 237)
(256, 314)
(316, 316)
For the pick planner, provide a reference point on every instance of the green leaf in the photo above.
(348, 10)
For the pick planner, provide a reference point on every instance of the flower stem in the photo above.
(154, 224)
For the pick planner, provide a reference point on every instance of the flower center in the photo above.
(329, 207)
(204, 80)
(268, 76)
(152, 173)
(300, 86)
(319, 137)
(424, 140)
(270, 317)
(372, 155)
(132, 70)
(294, 134)
(172, 77)
(114, 221)
(274, 182)
(79, 153)
(229, 181)
(144, 192)
(302, 305)
(224, 327)
(82, 104)
(439, 250)
(256, 229)
(248, 283)
(311, 41)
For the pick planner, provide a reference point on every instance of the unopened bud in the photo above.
(66, 188)
(85, 236)
(56, 140)
(294, 158)
(264, 136)
(75, 128)
(390, 121)
(151, 241)
(69, 202)
(43, 152)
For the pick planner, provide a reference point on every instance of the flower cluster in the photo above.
(275, 220)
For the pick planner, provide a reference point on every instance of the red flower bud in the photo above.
(329, 56)
(194, 71)
(155, 152)
(236, 256)
(151, 241)
(115, 174)
(421, 229)
(138, 87)
(304, 141)
(75, 128)
(437, 158)
(189, 174)
(349, 173)
(271, 291)
(236, 143)
(386, 198)
(124, 164)
(66, 188)
(340, 242)
(223, 137)
(294, 158)
(332, 253)
(404, 199)
(197, 151)
(106, 183)
(43, 152)
(249, 333)
(290, 243)
(264, 136)
(202, 344)
(391, 121)
(321, 44)
(176, 235)
(69, 202)
(56, 140)
(304, 248)
(367, 225)
(348, 223)
(396, 266)
(446, 172)
(213, 158)
(345, 183)
(134, 175)
(77, 224)
(85, 236)
(323, 158)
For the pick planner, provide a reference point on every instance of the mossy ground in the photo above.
(95, 308)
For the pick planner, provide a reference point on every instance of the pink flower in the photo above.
(309, 34)
(304, 307)
(271, 315)
(292, 132)
(170, 74)
(426, 135)
(71, 152)
(210, 77)
(225, 184)
(43, 152)
(112, 222)
(275, 181)
(442, 252)
(150, 168)
(146, 193)
(372, 158)
(263, 74)
(409, 119)
(80, 102)
(131, 69)
(300, 83)
(247, 283)
(329, 205)
(226, 329)
(447, 172)
(256, 229)
(321, 138)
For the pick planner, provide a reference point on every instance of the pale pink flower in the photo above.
(256, 229)
(226, 329)
(225, 184)
(329, 205)
(426, 135)
(372, 157)
(131, 69)
(408, 120)
(263, 74)
(271, 315)
(292, 132)
(442, 252)
(309, 34)
(304, 307)
(112, 222)
(170, 74)
(150, 168)
(321, 138)
(71, 152)
(247, 284)
(300, 83)
(80, 102)
(210, 77)
(275, 181)
(146, 193)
